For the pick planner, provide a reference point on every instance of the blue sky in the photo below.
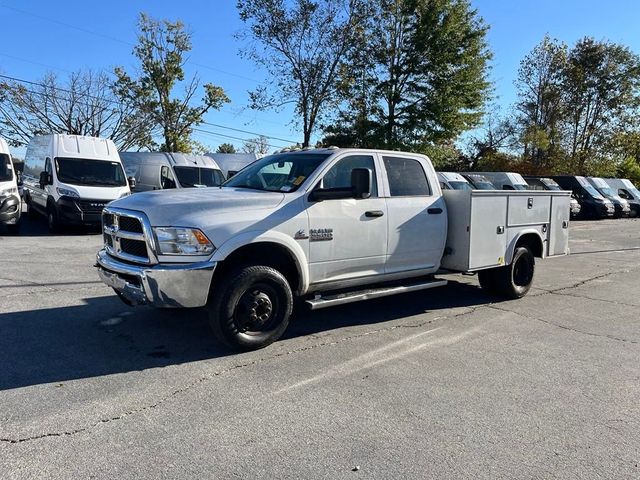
(36, 39)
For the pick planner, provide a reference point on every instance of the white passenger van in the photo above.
(505, 180)
(70, 178)
(10, 202)
(160, 170)
(453, 181)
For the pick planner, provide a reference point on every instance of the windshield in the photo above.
(635, 193)
(521, 187)
(82, 171)
(607, 192)
(550, 184)
(593, 192)
(282, 172)
(198, 177)
(460, 185)
(6, 172)
(484, 186)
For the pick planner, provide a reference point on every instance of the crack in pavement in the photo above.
(564, 327)
(468, 311)
(206, 378)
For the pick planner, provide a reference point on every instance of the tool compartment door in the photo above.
(559, 228)
(488, 239)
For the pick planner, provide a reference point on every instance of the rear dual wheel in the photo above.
(511, 281)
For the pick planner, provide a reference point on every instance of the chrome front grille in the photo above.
(127, 235)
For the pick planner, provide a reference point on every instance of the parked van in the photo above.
(232, 163)
(453, 181)
(546, 183)
(10, 201)
(70, 178)
(592, 203)
(621, 205)
(628, 191)
(159, 171)
(504, 180)
(479, 182)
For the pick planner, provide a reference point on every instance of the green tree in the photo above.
(161, 49)
(302, 45)
(226, 148)
(422, 76)
(601, 86)
(540, 106)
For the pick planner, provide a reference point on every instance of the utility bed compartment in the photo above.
(485, 224)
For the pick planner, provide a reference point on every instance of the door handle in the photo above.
(374, 213)
(434, 211)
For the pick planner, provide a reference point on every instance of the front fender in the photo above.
(247, 238)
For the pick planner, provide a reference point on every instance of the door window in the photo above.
(339, 175)
(406, 177)
(166, 178)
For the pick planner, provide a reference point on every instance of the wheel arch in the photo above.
(527, 238)
(268, 250)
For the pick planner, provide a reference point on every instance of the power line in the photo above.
(248, 140)
(115, 39)
(107, 100)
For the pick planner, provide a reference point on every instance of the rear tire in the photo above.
(487, 280)
(515, 280)
(249, 308)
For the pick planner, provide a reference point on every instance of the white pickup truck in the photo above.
(326, 226)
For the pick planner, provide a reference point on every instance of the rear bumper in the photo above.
(167, 286)
(10, 209)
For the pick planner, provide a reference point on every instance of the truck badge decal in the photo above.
(301, 235)
(321, 234)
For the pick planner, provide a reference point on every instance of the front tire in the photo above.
(52, 220)
(249, 308)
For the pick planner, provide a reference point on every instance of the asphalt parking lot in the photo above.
(438, 384)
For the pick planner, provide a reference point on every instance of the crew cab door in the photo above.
(347, 237)
(417, 219)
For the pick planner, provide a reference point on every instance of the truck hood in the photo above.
(173, 207)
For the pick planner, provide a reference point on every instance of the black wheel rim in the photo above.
(257, 309)
(523, 271)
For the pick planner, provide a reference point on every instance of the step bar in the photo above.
(339, 299)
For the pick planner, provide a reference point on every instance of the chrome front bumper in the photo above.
(169, 286)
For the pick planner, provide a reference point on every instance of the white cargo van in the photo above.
(505, 180)
(161, 170)
(70, 178)
(10, 203)
(453, 181)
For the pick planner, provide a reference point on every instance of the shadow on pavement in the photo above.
(104, 336)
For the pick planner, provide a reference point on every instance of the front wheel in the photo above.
(511, 281)
(249, 308)
(52, 220)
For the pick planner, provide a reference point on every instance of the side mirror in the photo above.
(361, 179)
(132, 182)
(45, 179)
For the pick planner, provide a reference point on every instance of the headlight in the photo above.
(182, 241)
(8, 191)
(67, 192)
